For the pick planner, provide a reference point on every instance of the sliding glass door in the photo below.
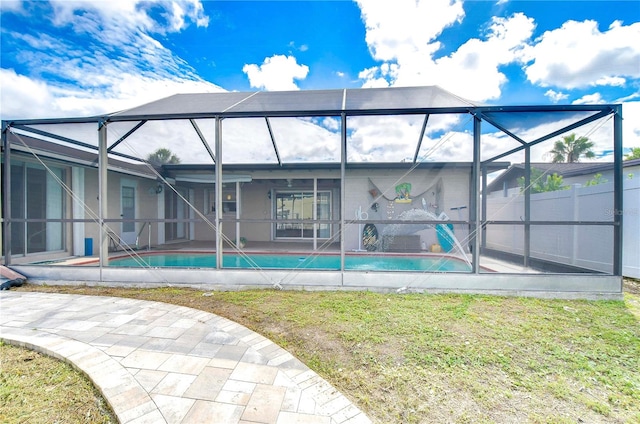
(291, 207)
(175, 208)
(36, 195)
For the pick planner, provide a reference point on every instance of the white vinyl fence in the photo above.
(588, 247)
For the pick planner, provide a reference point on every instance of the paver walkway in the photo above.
(160, 363)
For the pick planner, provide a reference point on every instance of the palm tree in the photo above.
(162, 156)
(633, 154)
(570, 149)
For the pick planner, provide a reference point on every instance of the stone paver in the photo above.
(160, 363)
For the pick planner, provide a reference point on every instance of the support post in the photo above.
(483, 216)
(218, 191)
(527, 206)
(6, 200)
(618, 191)
(315, 213)
(238, 213)
(343, 194)
(103, 171)
(474, 210)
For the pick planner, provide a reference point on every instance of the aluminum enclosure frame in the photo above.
(479, 113)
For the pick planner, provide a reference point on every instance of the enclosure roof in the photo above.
(297, 103)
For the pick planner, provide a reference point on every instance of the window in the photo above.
(299, 206)
(36, 195)
(229, 204)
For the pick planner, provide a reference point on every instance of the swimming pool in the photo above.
(297, 261)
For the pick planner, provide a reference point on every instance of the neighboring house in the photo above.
(572, 173)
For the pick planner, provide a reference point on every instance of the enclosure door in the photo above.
(128, 212)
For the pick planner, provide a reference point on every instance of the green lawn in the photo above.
(417, 358)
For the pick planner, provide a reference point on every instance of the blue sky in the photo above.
(70, 58)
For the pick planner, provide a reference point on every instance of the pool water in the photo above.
(289, 261)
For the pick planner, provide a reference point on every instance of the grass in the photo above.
(35, 388)
(447, 358)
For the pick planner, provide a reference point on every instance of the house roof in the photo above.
(197, 171)
(56, 151)
(566, 170)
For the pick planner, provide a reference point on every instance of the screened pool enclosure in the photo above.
(381, 189)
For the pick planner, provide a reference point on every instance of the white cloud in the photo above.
(631, 126)
(556, 96)
(479, 60)
(332, 124)
(404, 39)
(302, 48)
(629, 98)
(408, 26)
(277, 72)
(579, 55)
(107, 61)
(24, 97)
(612, 81)
(395, 138)
(117, 18)
(127, 66)
(589, 99)
(473, 69)
(11, 6)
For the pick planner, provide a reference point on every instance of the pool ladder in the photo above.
(145, 224)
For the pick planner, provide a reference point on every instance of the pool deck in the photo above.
(160, 363)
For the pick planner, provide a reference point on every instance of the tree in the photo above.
(162, 156)
(634, 154)
(570, 149)
(597, 179)
(540, 185)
